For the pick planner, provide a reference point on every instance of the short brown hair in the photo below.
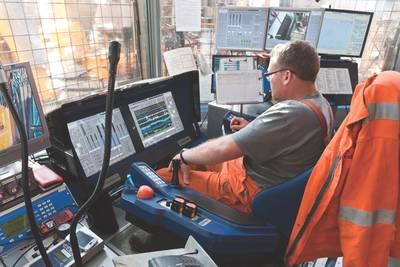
(298, 56)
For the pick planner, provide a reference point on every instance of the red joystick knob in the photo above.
(145, 192)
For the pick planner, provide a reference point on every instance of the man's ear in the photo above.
(287, 76)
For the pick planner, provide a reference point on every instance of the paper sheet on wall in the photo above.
(239, 87)
(334, 81)
(179, 60)
(188, 15)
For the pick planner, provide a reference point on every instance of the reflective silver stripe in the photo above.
(394, 262)
(367, 218)
(384, 111)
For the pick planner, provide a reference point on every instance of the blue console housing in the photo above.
(219, 228)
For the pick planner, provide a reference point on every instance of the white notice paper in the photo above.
(179, 60)
(239, 87)
(334, 81)
(188, 15)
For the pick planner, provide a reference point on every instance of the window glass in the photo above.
(66, 43)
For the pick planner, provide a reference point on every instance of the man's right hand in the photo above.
(238, 123)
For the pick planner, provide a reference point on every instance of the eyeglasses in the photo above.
(273, 72)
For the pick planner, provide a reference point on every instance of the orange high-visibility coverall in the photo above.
(351, 203)
(226, 182)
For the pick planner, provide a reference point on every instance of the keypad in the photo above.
(152, 175)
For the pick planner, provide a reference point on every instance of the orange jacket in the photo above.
(351, 203)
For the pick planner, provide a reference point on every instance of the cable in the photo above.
(113, 57)
(2, 261)
(29, 248)
(25, 170)
(23, 254)
(190, 253)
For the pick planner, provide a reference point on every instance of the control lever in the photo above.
(176, 164)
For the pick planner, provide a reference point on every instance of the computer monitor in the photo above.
(343, 32)
(87, 136)
(285, 25)
(156, 118)
(27, 103)
(241, 28)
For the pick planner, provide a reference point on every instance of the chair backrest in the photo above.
(278, 205)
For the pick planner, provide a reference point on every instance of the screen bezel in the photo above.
(13, 153)
(351, 12)
(95, 104)
(289, 10)
(241, 9)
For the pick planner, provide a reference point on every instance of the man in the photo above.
(279, 144)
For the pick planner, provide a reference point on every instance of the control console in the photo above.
(11, 183)
(142, 174)
(186, 212)
(56, 205)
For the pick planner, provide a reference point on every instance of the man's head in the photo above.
(294, 67)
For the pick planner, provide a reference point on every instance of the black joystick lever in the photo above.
(176, 164)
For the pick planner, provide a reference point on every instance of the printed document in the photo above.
(239, 87)
(188, 15)
(334, 81)
(179, 60)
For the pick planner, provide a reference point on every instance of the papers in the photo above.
(236, 64)
(239, 87)
(334, 81)
(179, 60)
(188, 15)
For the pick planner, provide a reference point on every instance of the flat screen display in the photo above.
(156, 118)
(87, 137)
(285, 25)
(241, 28)
(24, 95)
(343, 32)
(15, 226)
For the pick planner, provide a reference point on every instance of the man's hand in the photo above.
(238, 123)
(185, 169)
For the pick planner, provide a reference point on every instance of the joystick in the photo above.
(176, 164)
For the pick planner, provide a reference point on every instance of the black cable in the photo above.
(25, 178)
(23, 254)
(113, 57)
(2, 261)
(190, 253)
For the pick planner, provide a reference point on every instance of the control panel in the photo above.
(142, 174)
(11, 183)
(14, 223)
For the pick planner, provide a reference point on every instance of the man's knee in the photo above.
(165, 174)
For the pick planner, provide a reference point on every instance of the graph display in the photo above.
(87, 136)
(22, 94)
(241, 29)
(156, 118)
(334, 40)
